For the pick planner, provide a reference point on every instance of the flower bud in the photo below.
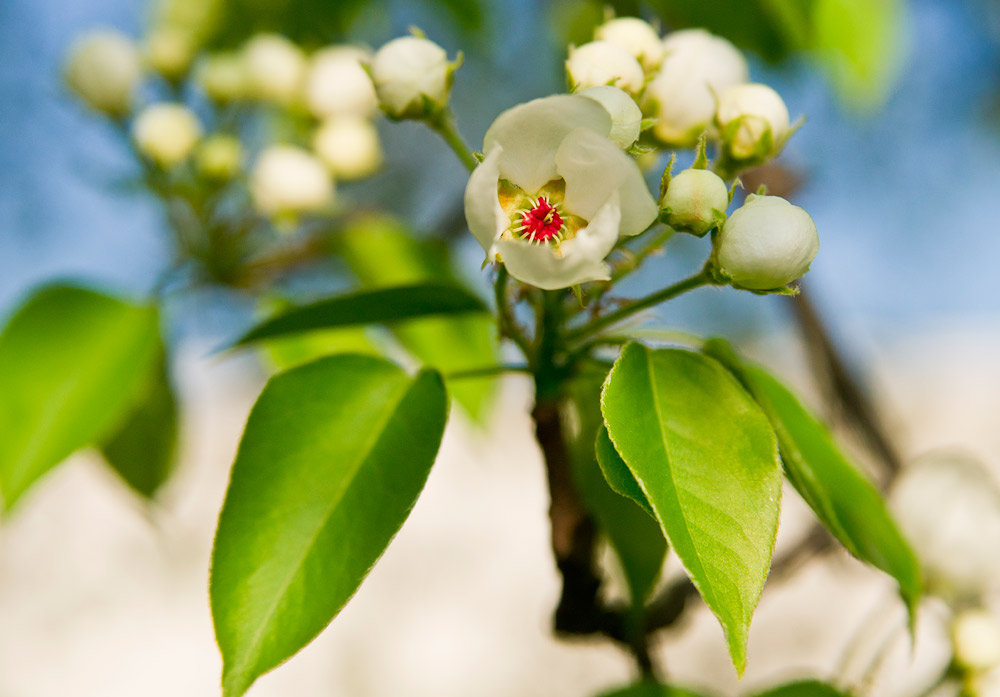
(604, 63)
(275, 68)
(104, 69)
(349, 146)
(166, 133)
(626, 116)
(976, 639)
(765, 244)
(696, 201)
(337, 84)
(753, 120)
(408, 72)
(170, 52)
(637, 37)
(219, 156)
(288, 180)
(696, 66)
(223, 77)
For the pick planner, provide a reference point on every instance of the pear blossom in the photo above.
(223, 76)
(166, 133)
(753, 120)
(626, 116)
(349, 146)
(337, 83)
(604, 63)
(553, 193)
(170, 52)
(636, 36)
(409, 70)
(104, 68)
(219, 156)
(696, 201)
(275, 68)
(976, 638)
(288, 180)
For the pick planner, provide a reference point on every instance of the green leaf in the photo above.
(382, 253)
(804, 688)
(334, 455)
(706, 458)
(71, 363)
(652, 689)
(144, 448)
(635, 537)
(844, 500)
(381, 306)
(616, 472)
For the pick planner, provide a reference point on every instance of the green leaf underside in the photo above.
(334, 455)
(143, 449)
(707, 461)
(616, 472)
(803, 688)
(71, 363)
(844, 500)
(381, 306)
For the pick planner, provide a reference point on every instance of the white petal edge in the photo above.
(483, 213)
(626, 116)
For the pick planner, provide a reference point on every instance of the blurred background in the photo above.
(897, 163)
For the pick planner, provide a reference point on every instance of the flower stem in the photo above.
(507, 325)
(702, 278)
(488, 371)
(443, 124)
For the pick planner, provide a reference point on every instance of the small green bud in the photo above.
(219, 156)
(695, 201)
(753, 121)
(412, 77)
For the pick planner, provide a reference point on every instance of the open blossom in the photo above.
(553, 193)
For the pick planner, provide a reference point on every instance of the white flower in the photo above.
(696, 201)
(637, 37)
(219, 156)
(166, 133)
(554, 193)
(604, 63)
(223, 76)
(288, 180)
(949, 509)
(408, 70)
(626, 116)
(170, 52)
(104, 69)
(275, 68)
(766, 243)
(349, 146)
(337, 84)
(753, 120)
(696, 66)
(976, 639)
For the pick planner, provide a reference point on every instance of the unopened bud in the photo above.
(288, 180)
(412, 77)
(104, 69)
(765, 244)
(223, 76)
(626, 116)
(637, 37)
(976, 640)
(695, 201)
(170, 52)
(166, 133)
(604, 63)
(753, 120)
(338, 85)
(275, 68)
(349, 146)
(219, 157)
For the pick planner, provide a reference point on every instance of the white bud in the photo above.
(626, 116)
(219, 156)
(696, 201)
(349, 146)
(604, 63)
(104, 69)
(166, 133)
(275, 68)
(170, 52)
(338, 85)
(637, 37)
(223, 76)
(753, 120)
(766, 243)
(976, 639)
(288, 180)
(408, 70)
(696, 66)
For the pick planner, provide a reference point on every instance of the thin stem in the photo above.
(699, 279)
(444, 125)
(487, 371)
(508, 327)
(655, 240)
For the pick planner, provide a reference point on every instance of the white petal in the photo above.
(594, 169)
(482, 206)
(579, 260)
(530, 135)
(626, 116)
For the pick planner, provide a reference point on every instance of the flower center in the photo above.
(542, 223)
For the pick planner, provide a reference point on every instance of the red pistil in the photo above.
(542, 223)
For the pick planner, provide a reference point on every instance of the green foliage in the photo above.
(652, 689)
(334, 455)
(383, 253)
(706, 459)
(804, 688)
(72, 361)
(380, 306)
(616, 472)
(843, 499)
(144, 447)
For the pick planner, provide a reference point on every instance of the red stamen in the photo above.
(542, 223)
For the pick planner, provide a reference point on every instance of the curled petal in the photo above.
(483, 213)
(594, 169)
(530, 135)
(578, 260)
